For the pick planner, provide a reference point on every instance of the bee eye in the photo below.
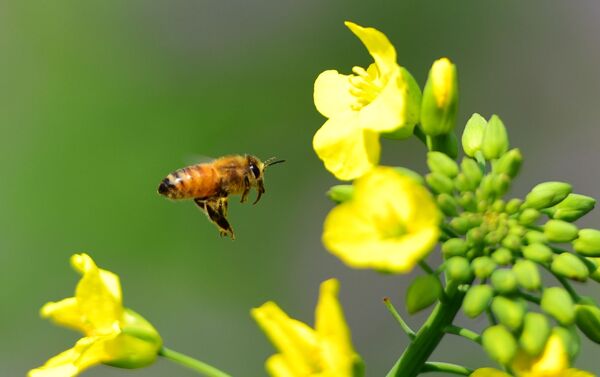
(255, 170)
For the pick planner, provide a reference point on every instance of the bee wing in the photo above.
(195, 159)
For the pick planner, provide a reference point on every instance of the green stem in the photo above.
(530, 298)
(449, 231)
(418, 132)
(405, 327)
(426, 267)
(433, 366)
(415, 356)
(191, 363)
(465, 333)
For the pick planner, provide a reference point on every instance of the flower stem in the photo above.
(191, 363)
(446, 367)
(414, 358)
(409, 332)
(465, 333)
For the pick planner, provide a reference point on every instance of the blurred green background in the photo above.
(99, 100)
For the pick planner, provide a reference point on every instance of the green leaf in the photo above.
(422, 292)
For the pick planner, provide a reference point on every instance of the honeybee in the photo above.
(210, 185)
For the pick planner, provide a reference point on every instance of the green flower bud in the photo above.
(495, 236)
(538, 252)
(501, 183)
(572, 207)
(587, 318)
(569, 266)
(461, 224)
(502, 256)
(422, 292)
(499, 344)
(512, 242)
(533, 236)
(504, 281)
(438, 162)
(477, 300)
(547, 194)
(439, 183)
(470, 168)
(462, 184)
(529, 216)
(487, 186)
(440, 99)
(509, 163)
(447, 204)
(560, 231)
(588, 243)
(558, 303)
(458, 269)
(495, 139)
(454, 247)
(595, 270)
(468, 202)
(472, 136)
(411, 174)
(513, 206)
(570, 339)
(483, 267)
(508, 312)
(527, 274)
(536, 330)
(498, 206)
(340, 193)
(476, 236)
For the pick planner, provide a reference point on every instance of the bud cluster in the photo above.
(498, 248)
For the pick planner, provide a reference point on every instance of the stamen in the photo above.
(360, 71)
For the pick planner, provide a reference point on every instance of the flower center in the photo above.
(365, 87)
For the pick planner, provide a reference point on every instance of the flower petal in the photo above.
(278, 367)
(346, 150)
(332, 93)
(379, 47)
(98, 294)
(65, 313)
(489, 372)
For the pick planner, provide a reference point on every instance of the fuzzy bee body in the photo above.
(211, 184)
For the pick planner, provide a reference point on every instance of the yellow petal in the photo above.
(378, 46)
(489, 372)
(277, 367)
(443, 78)
(98, 295)
(554, 358)
(87, 352)
(346, 150)
(332, 93)
(65, 313)
(296, 341)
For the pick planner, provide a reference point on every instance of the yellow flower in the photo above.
(325, 351)
(553, 362)
(383, 98)
(113, 335)
(390, 224)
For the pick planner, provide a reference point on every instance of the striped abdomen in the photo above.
(196, 181)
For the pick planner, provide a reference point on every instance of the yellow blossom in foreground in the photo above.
(382, 98)
(325, 351)
(113, 335)
(390, 224)
(553, 362)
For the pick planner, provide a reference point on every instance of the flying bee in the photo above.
(210, 185)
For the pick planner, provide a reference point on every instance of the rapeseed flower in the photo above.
(325, 351)
(390, 224)
(113, 335)
(384, 98)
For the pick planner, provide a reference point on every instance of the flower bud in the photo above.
(475, 236)
(504, 281)
(508, 312)
(439, 183)
(501, 183)
(510, 163)
(513, 206)
(447, 204)
(438, 162)
(483, 267)
(454, 247)
(477, 300)
(558, 303)
(495, 139)
(588, 243)
(536, 330)
(499, 343)
(560, 231)
(512, 242)
(572, 207)
(587, 318)
(529, 216)
(502, 256)
(458, 269)
(462, 183)
(487, 187)
(472, 136)
(440, 99)
(468, 202)
(472, 172)
(538, 252)
(569, 266)
(527, 274)
(422, 292)
(340, 193)
(533, 236)
(547, 194)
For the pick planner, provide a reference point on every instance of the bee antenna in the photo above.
(272, 161)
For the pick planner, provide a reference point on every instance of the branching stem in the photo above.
(405, 327)
(465, 333)
(191, 363)
(433, 366)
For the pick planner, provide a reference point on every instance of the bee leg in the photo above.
(217, 213)
(260, 189)
(246, 190)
